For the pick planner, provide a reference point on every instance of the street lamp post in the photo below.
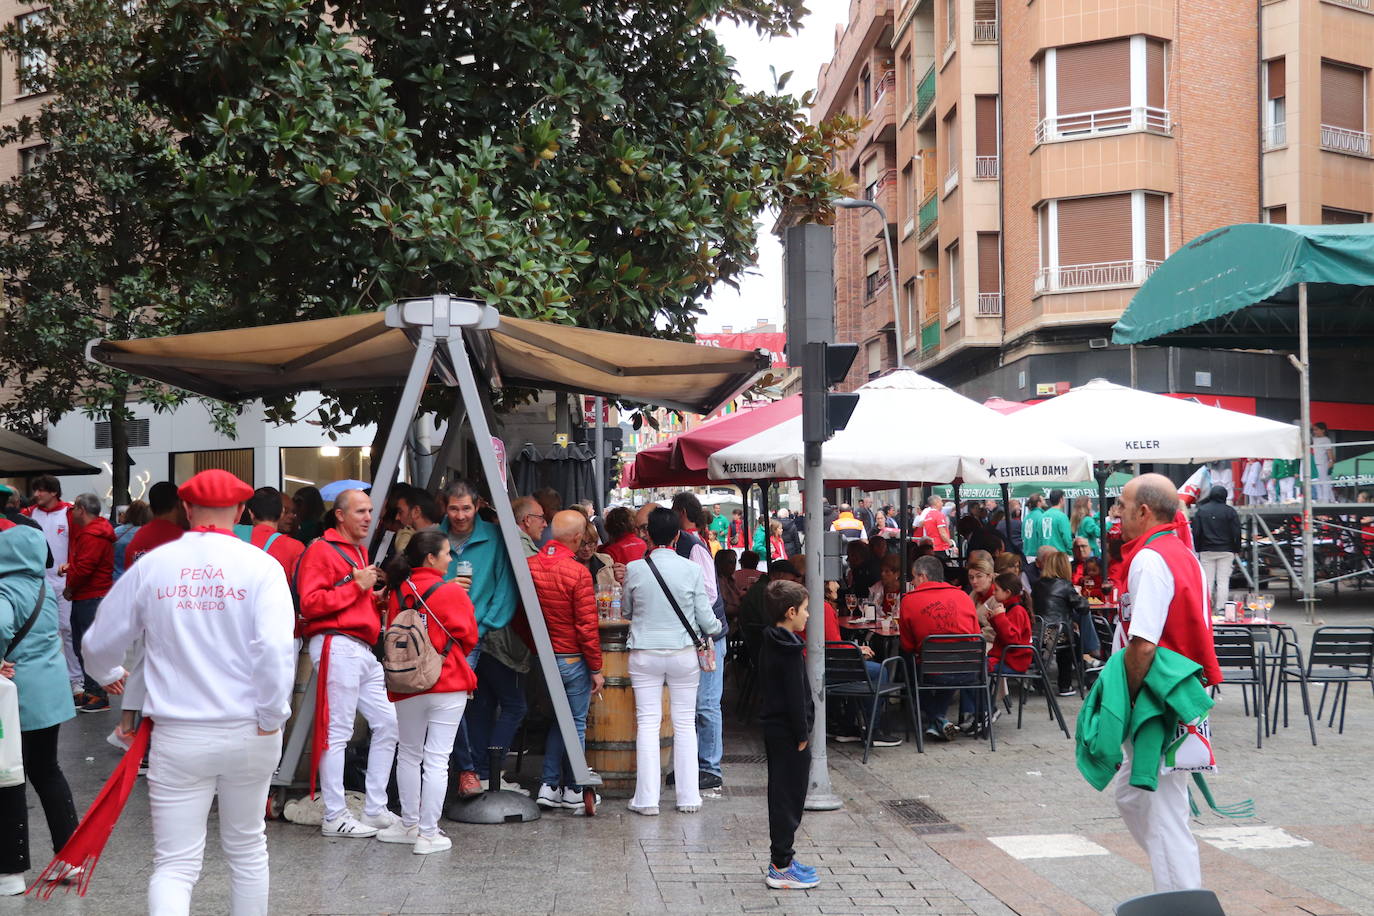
(854, 203)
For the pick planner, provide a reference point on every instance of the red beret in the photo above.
(215, 489)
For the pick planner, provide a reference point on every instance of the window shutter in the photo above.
(1278, 215)
(1333, 217)
(951, 126)
(1042, 111)
(1094, 77)
(989, 270)
(871, 170)
(1043, 218)
(871, 262)
(1154, 227)
(955, 275)
(986, 116)
(985, 10)
(1094, 230)
(1277, 78)
(1342, 96)
(1154, 73)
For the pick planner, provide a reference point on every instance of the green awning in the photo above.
(1355, 471)
(1021, 490)
(1237, 287)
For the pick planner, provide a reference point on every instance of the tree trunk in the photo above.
(119, 449)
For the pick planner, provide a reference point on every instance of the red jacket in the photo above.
(566, 596)
(157, 532)
(285, 549)
(832, 625)
(935, 608)
(1013, 629)
(451, 608)
(90, 564)
(627, 549)
(328, 602)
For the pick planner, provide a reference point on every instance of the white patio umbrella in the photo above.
(909, 429)
(1115, 423)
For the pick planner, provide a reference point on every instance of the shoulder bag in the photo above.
(706, 649)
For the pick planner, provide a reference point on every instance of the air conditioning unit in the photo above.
(1098, 343)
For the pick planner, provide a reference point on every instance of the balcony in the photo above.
(1107, 121)
(876, 186)
(984, 31)
(927, 215)
(986, 167)
(930, 337)
(925, 92)
(875, 283)
(953, 313)
(1275, 136)
(989, 305)
(1340, 140)
(886, 83)
(1105, 275)
(1365, 6)
(951, 181)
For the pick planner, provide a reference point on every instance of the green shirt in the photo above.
(1056, 531)
(1031, 538)
(1088, 528)
(719, 526)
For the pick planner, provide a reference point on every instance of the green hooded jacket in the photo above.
(1172, 693)
(40, 671)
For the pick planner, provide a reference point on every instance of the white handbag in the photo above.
(11, 747)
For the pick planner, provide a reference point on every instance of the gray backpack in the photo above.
(410, 661)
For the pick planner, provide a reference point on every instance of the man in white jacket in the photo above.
(216, 615)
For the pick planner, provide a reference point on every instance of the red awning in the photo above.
(1003, 406)
(681, 461)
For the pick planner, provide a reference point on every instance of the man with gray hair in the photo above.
(935, 608)
(90, 574)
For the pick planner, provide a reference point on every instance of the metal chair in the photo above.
(1340, 656)
(1172, 903)
(847, 675)
(1035, 673)
(961, 654)
(1243, 666)
(1287, 668)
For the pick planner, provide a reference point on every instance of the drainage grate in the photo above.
(745, 791)
(919, 816)
(743, 758)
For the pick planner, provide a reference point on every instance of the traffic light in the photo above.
(824, 411)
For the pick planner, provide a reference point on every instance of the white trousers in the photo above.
(356, 685)
(188, 765)
(648, 674)
(1288, 489)
(64, 627)
(428, 724)
(1158, 821)
(1216, 573)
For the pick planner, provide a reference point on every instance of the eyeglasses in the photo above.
(534, 515)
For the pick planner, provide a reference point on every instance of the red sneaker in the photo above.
(469, 786)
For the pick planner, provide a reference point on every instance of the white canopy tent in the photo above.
(909, 429)
(1115, 423)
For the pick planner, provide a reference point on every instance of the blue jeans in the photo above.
(577, 684)
(935, 703)
(462, 758)
(499, 687)
(710, 744)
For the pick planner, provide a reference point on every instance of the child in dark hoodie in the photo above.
(787, 715)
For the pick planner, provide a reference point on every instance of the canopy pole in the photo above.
(903, 509)
(1102, 472)
(1305, 404)
(406, 409)
(819, 794)
(1006, 514)
(599, 467)
(955, 537)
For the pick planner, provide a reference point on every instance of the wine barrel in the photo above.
(611, 721)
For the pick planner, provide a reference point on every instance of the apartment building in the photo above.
(1038, 159)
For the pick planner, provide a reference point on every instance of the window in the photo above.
(951, 22)
(1103, 87)
(1334, 216)
(1275, 103)
(866, 89)
(952, 313)
(989, 274)
(1103, 241)
(908, 82)
(1276, 215)
(875, 358)
(985, 163)
(30, 158)
(984, 20)
(237, 461)
(910, 314)
(1343, 109)
(315, 467)
(951, 130)
(33, 63)
(875, 278)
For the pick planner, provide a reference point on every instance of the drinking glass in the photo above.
(851, 603)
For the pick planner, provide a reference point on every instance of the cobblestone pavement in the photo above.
(958, 830)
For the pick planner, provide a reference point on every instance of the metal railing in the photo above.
(1106, 121)
(951, 179)
(1090, 276)
(875, 187)
(1275, 135)
(984, 31)
(925, 92)
(928, 214)
(1341, 140)
(930, 337)
(886, 83)
(875, 283)
(989, 305)
(987, 166)
(1365, 5)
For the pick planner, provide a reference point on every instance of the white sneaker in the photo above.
(380, 821)
(424, 845)
(12, 885)
(347, 826)
(572, 800)
(646, 810)
(549, 797)
(399, 833)
(514, 787)
(118, 740)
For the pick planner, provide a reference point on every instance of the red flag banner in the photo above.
(771, 342)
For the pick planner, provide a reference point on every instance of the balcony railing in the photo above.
(984, 31)
(1365, 5)
(930, 337)
(953, 313)
(927, 215)
(987, 166)
(874, 283)
(1106, 121)
(951, 179)
(1092, 276)
(1341, 140)
(886, 83)
(875, 187)
(989, 305)
(1275, 135)
(925, 92)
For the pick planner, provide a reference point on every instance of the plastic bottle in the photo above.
(615, 603)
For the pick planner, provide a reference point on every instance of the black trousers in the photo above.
(83, 615)
(42, 771)
(789, 774)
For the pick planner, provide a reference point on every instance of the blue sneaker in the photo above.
(801, 869)
(792, 878)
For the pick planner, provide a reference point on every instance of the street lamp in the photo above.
(854, 203)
